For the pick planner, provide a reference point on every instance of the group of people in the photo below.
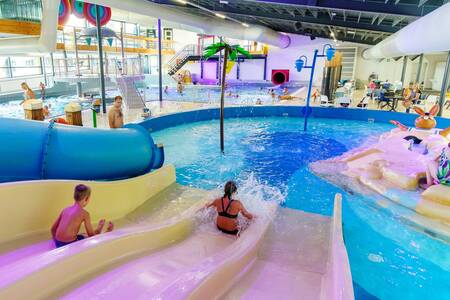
(410, 95)
(28, 94)
(66, 228)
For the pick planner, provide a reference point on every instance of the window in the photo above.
(20, 66)
(4, 69)
(168, 34)
(25, 66)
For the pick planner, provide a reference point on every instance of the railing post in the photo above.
(100, 55)
(444, 86)
(160, 62)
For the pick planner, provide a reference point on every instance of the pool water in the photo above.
(13, 109)
(235, 94)
(389, 259)
(248, 93)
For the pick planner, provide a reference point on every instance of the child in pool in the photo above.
(66, 227)
(438, 170)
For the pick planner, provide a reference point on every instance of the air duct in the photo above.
(426, 35)
(44, 43)
(205, 25)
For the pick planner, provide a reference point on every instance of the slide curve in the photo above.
(33, 150)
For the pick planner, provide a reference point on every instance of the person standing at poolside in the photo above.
(42, 88)
(115, 115)
(28, 93)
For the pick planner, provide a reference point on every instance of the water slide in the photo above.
(162, 248)
(33, 150)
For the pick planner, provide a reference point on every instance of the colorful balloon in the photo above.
(89, 14)
(78, 8)
(64, 12)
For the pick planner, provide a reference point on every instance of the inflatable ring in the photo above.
(63, 12)
(90, 15)
(78, 8)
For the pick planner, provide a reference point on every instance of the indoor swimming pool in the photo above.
(389, 259)
(236, 94)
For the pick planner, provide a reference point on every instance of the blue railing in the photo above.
(21, 10)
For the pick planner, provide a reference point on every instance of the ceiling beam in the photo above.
(422, 2)
(316, 19)
(397, 21)
(368, 6)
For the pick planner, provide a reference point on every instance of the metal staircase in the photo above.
(130, 93)
(181, 58)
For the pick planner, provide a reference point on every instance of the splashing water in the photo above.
(254, 196)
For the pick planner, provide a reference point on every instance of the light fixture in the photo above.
(223, 2)
(301, 62)
(220, 16)
(350, 32)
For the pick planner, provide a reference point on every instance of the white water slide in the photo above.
(164, 248)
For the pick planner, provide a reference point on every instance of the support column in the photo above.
(122, 51)
(419, 69)
(405, 62)
(53, 64)
(201, 57)
(77, 58)
(160, 61)
(265, 68)
(44, 71)
(100, 58)
(238, 69)
(219, 63)
(444, 86)
(79, 89)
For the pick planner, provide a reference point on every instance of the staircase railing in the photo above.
(21, 10)
(180, 58)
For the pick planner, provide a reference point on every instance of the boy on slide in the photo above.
(66, 227)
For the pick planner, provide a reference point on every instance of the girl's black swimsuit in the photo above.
(224, 213)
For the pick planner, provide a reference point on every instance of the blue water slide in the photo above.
(31, 150)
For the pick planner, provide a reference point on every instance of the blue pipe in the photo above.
(307, 108)
(32, 150)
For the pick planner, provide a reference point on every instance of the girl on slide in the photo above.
(228, 210)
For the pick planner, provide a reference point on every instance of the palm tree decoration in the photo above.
(230, 52)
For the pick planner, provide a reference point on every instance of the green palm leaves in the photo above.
(233, 50)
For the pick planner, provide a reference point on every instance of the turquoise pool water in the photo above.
(243, 93)
(12, 109)
(237, 93)
(389, 259)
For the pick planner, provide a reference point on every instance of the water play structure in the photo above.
(40, 150)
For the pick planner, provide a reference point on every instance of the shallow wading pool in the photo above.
(388, 259)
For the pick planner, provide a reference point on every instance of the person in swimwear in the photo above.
(228, 210)
(438, 170)
(66, 228)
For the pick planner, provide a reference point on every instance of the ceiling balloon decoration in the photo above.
(64, 12)
(78, 8)
(89, 13)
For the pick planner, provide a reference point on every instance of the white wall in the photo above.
(285, 58)
(12, 85)
(182, 38)
(389, 69)
(252, 69)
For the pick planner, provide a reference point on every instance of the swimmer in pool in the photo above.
(228, 210)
